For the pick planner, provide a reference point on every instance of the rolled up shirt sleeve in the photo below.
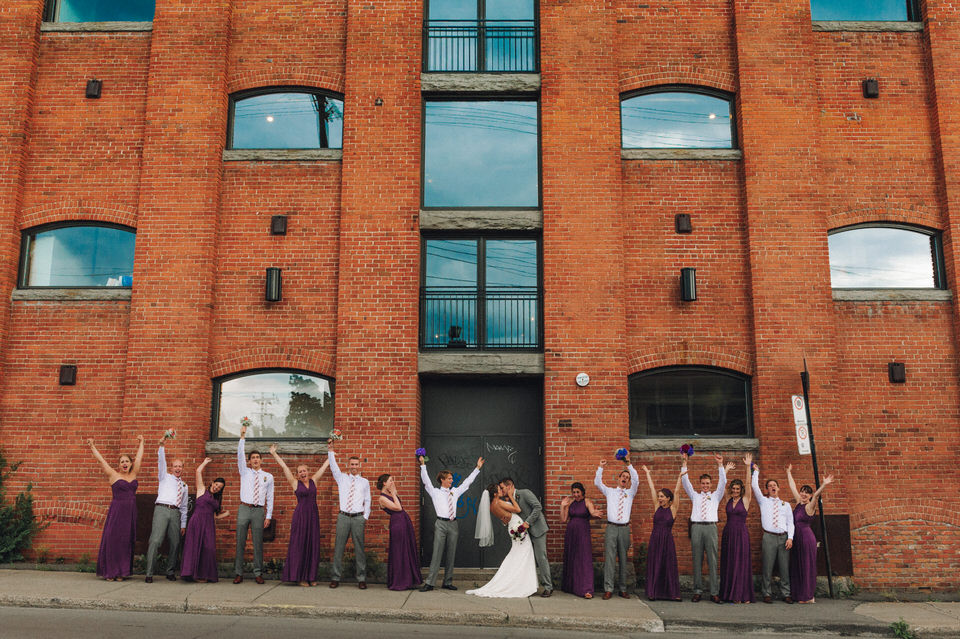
(269, 497)
(183, 506)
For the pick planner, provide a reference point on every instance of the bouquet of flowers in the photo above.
(336, 434)
(621, 454)
(687, 449)
(245, 422)
(422, 452)
(170, 433)
(520, 532)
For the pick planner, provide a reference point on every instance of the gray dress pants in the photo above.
(445, 535)
(250, 517)
(616, 542)
(703, 539)
(349, 527)
(775, 550)
(166, 521)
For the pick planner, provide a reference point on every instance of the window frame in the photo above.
(480, 97)
(747, 381)
(258, 91)
(52, 226)
(730, 98)
(217, 383)
(913, 14)
(51, 13)
(936, 253)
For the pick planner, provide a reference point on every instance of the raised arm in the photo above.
(425, 478)
(283, 466)
(108, 471)
(139, 458)
(161, 461)
(653, 489)
(598, 478)
(565, 508)
(317, 475)
(465, 484)
(332, 458)
(793, 484)
(634, 479)
(241, 453)
(685, 478)
(811, 506)
(721, 478)
(201, 486)
(755, 484)
(676, 496)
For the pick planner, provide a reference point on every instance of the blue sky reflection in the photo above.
(881, 258)
(676, 120)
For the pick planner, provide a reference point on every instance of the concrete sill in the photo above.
(479, 82)
(85, 27)
(856, 25)
(457, 362)
(282, 155)
(480, 220)
(681, 154)
(891, 295)
(290, 448)
(71, 294)
(712, 444)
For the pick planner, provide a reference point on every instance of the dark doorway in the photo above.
(499, 420)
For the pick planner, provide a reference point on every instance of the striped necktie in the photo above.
(256, 488)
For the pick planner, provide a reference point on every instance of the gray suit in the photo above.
(532, 512)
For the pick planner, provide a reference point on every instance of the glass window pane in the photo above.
(453, 10)
(451, 263)
(509, 9)
(863, 10)
(105, 11)
(693, 402)
(511, 263)
(676, 119)
(287, 121)
(881, 258)
(279, 405)
(481, 154)
(450, 298)
(512, 301)
(80, 256)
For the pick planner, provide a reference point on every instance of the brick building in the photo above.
(480, 202)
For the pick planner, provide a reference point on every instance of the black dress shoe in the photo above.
(448, 587)
(546, 593)
(696, 598)
(788, 600)
(149, 580)
(362, 585)
(715, 599)
(767, 599)
(426, 588)
(171, 578)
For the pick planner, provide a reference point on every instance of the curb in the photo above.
(490, 618)
(845, 629)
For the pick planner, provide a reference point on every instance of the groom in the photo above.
(532, 514)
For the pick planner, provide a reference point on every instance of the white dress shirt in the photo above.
(619, 500)
(171, 490)
(775, 514)
(445, 499)
(256, 486)
(706, 505)
(354, 490)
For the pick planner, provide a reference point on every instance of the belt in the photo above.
(783, 534)
(346, 514)
(169, 506)
(445, 519)
(250, 505)
(704, 523)
(613, 523)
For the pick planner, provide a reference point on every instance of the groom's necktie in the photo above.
(451, 510)
(620, 493)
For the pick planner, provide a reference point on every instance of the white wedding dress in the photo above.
(517, 575)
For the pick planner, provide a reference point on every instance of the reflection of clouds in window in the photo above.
(287, 121)
(278, 404)
(451, 263)
(105, 10)
(481, 154)
(80, 256)
(675, 120)
(863, 10)
(511, 263)
(881, 258)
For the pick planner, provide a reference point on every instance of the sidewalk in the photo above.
(30, 588)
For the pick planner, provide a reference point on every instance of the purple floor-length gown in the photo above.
(577, 552)
(663, 576)
(736, 571)
(200, 541)
(115, 558)
(403, 559)
(303, 553)
(803, 557)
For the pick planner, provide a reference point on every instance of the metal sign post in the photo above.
(805, 380)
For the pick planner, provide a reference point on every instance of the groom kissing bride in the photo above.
(522, 513)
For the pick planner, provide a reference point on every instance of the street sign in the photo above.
(800, 424)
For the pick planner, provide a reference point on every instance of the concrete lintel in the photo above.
(282, 155)
(673, 444)
(892, 295)
(479, 82)
(82, 27)
(460, 363)
(865, 25)
(681, 154)
(289, 448)
(71, 294)
(474, 220)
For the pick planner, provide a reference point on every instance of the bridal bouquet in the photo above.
(621, 453)
(170, 433)
(336, 434)
(245, 422)
(422, 452)
(520, 532)
(687, 449)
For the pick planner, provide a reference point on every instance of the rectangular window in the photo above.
(77, 256)
(279, 404)
(481, 35)
(99, 10)
(864, 10)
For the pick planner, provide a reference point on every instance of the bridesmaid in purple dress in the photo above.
(200, 542)
(803, 555)
(303, 552)
(576, 511)
(663, 576)
(115, 559)
(736, 569)
(403, 560)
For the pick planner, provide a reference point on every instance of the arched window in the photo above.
(285, 118)
(690, 401)
(885, 256)
(77, 255)
(99, 10)
(677, 117)
(280, 404)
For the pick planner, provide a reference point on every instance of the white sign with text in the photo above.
(800, 424)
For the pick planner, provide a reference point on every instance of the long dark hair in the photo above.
(219, 496)
(493, 489)
(382, 480)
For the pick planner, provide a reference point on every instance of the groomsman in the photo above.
(616, 540)
(256, 496)
(354, 493)
(776, 518)
(531, 511)
(703, 532)
(445, 528)
(169, 514)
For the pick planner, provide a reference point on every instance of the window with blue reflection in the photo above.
(675, 119)
(284, 404)
(503, 31)
(99, 10)
(81, 256)
(481, 154)
(864, 10)
(885, 257)
(286, 120)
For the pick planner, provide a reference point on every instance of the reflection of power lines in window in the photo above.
(487, 118)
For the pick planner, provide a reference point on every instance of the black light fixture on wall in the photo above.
(897, 372)
(278, 225)
(871, 88)
(68, 375)
(688, 284)
(682, 223)
(274, 284)
(93, 89)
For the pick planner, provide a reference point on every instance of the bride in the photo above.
(517, 575)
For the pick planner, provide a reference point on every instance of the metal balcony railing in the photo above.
(507, 318)
(492, 46)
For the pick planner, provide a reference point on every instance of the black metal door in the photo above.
(466, 419)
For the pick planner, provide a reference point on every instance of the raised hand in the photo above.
(90, 442)
(480, 463)
(645, 469)
(566, 501)
(728, 467)
(789, 467)
(719, 459)
(421, 459)
(828, 480)
(603, 463)
(273, 449)
(206, 461)
(139, 438)
(243, 431)
(748, 459)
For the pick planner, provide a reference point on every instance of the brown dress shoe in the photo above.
(788, 600)
(362, 585)
(238, 579)
(696, 598)
(767, 599)
(625, 595)
(715, 599)
(258, 579)
(607, 595)
(334, 583)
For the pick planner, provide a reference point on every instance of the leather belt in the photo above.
(250, 505)
(613, 523)
(169, 506)
(704, 523)
(445, 519)
(346, 514)
(783, 534)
